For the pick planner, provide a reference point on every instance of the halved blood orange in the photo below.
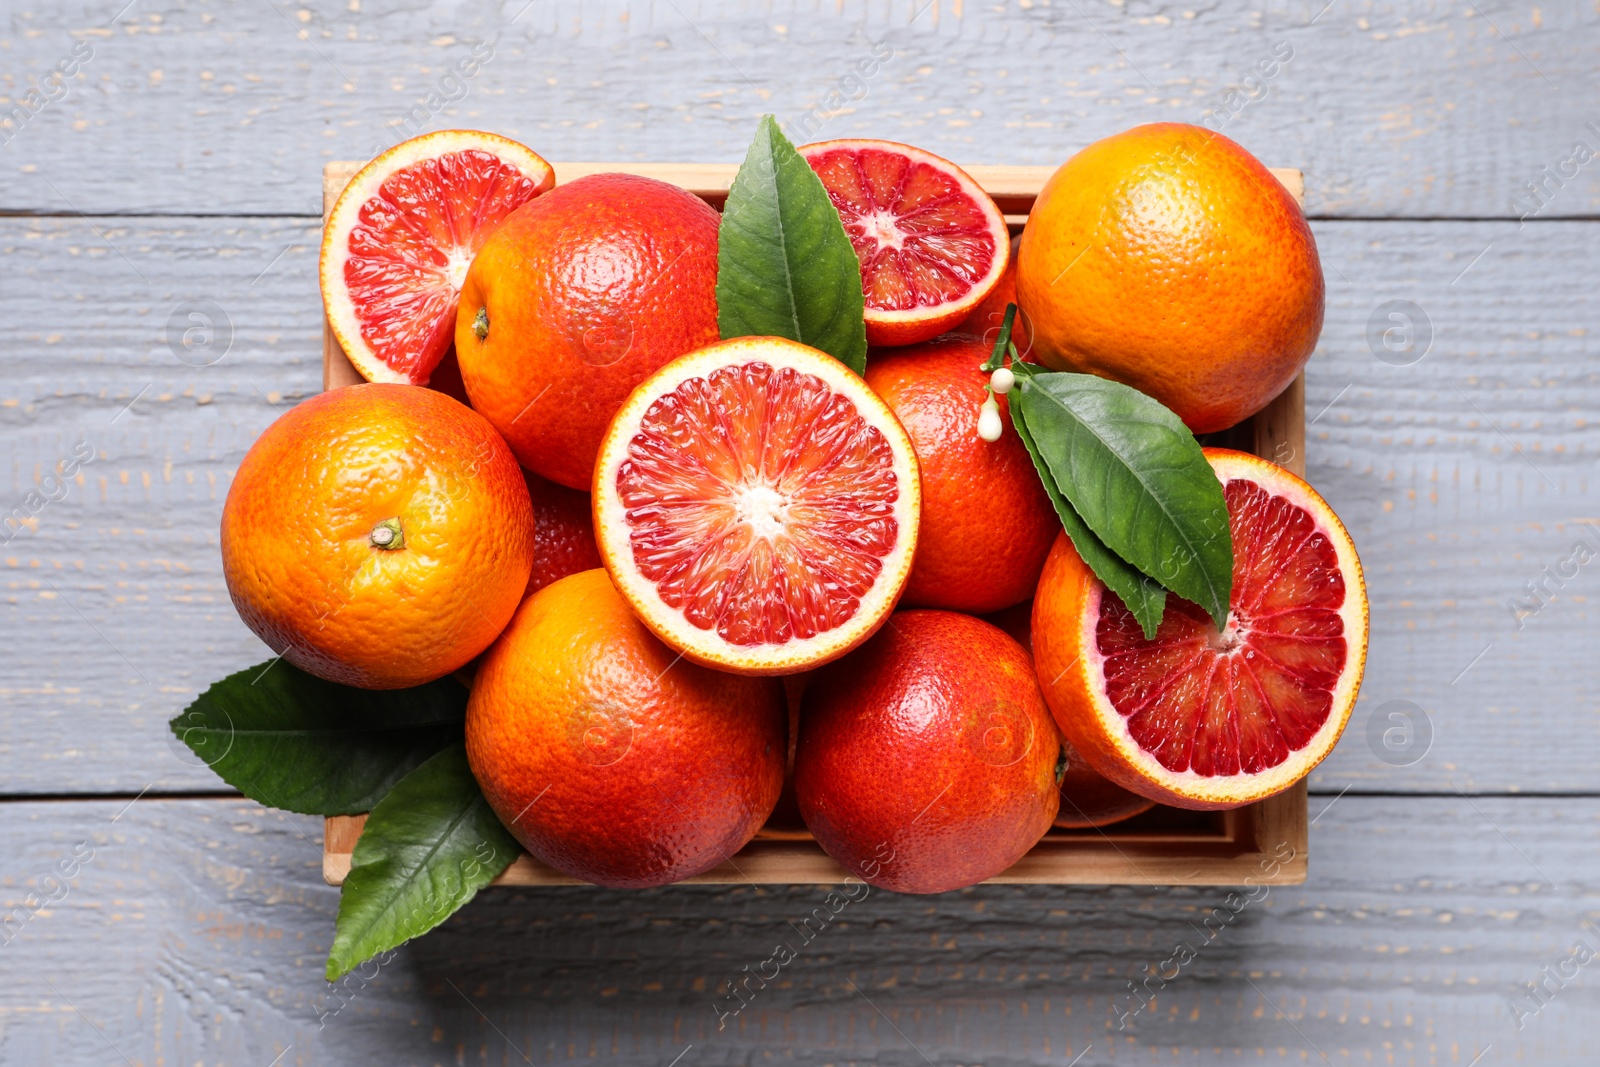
(931, 243)
(1202, 718)
(757, 505)
(398, 242)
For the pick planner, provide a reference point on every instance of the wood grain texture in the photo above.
(1163, 848)
(196, 934)
(1462, 476)
(1421, 461)
(1397, 109)
(1013, 188)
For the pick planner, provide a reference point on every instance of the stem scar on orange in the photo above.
(400, 237)
(378, 536)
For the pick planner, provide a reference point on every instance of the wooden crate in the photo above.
(1164, 846)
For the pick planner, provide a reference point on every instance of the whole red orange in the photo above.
(608, 755)
(563, 540)
(987, 524)
(927, 758)
(579, 296)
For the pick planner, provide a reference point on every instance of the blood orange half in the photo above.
(398, 242)
(931, 243)
(757, 505)
(1202, 718)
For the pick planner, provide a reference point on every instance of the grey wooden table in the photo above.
(176, 172)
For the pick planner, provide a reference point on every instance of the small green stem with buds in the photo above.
(1001, 377)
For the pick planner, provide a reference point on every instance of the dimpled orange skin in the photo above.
(297, 528)
(608, 756)
(1168, 258)
(588, 289)
(926, 759)
(987, 524)
(564, 533)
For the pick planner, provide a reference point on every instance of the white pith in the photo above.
(458, 259)
(885, 229)
(764, 507)
(346, 214)
(1353, 613)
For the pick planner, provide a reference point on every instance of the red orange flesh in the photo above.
(401, 236)
(931, 242)
(1204, 718)
(758, 505)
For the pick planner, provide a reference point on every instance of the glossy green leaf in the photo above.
(785, 267)
(293, 741)
(426, 849)
(1137, 477)
(1143, 596)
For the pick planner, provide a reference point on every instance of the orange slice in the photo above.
(757, 505)
(932, 244)
(1202, 718)
(398, 242)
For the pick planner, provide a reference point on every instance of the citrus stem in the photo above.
(1002, 344)
(480, 324)
(388, 535)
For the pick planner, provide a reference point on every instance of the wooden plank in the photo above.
(1013, 188)
(1419, 109)
(197, 934)
(1235, 846)
(1450, 517)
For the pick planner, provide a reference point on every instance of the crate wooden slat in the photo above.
(1162, 847)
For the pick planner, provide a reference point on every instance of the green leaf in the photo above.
(1139, 480)
(785, 267)
(427, 848)
(1143, 596)
(293, 741)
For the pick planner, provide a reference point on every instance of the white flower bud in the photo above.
(989, 425)
(1002, 380)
